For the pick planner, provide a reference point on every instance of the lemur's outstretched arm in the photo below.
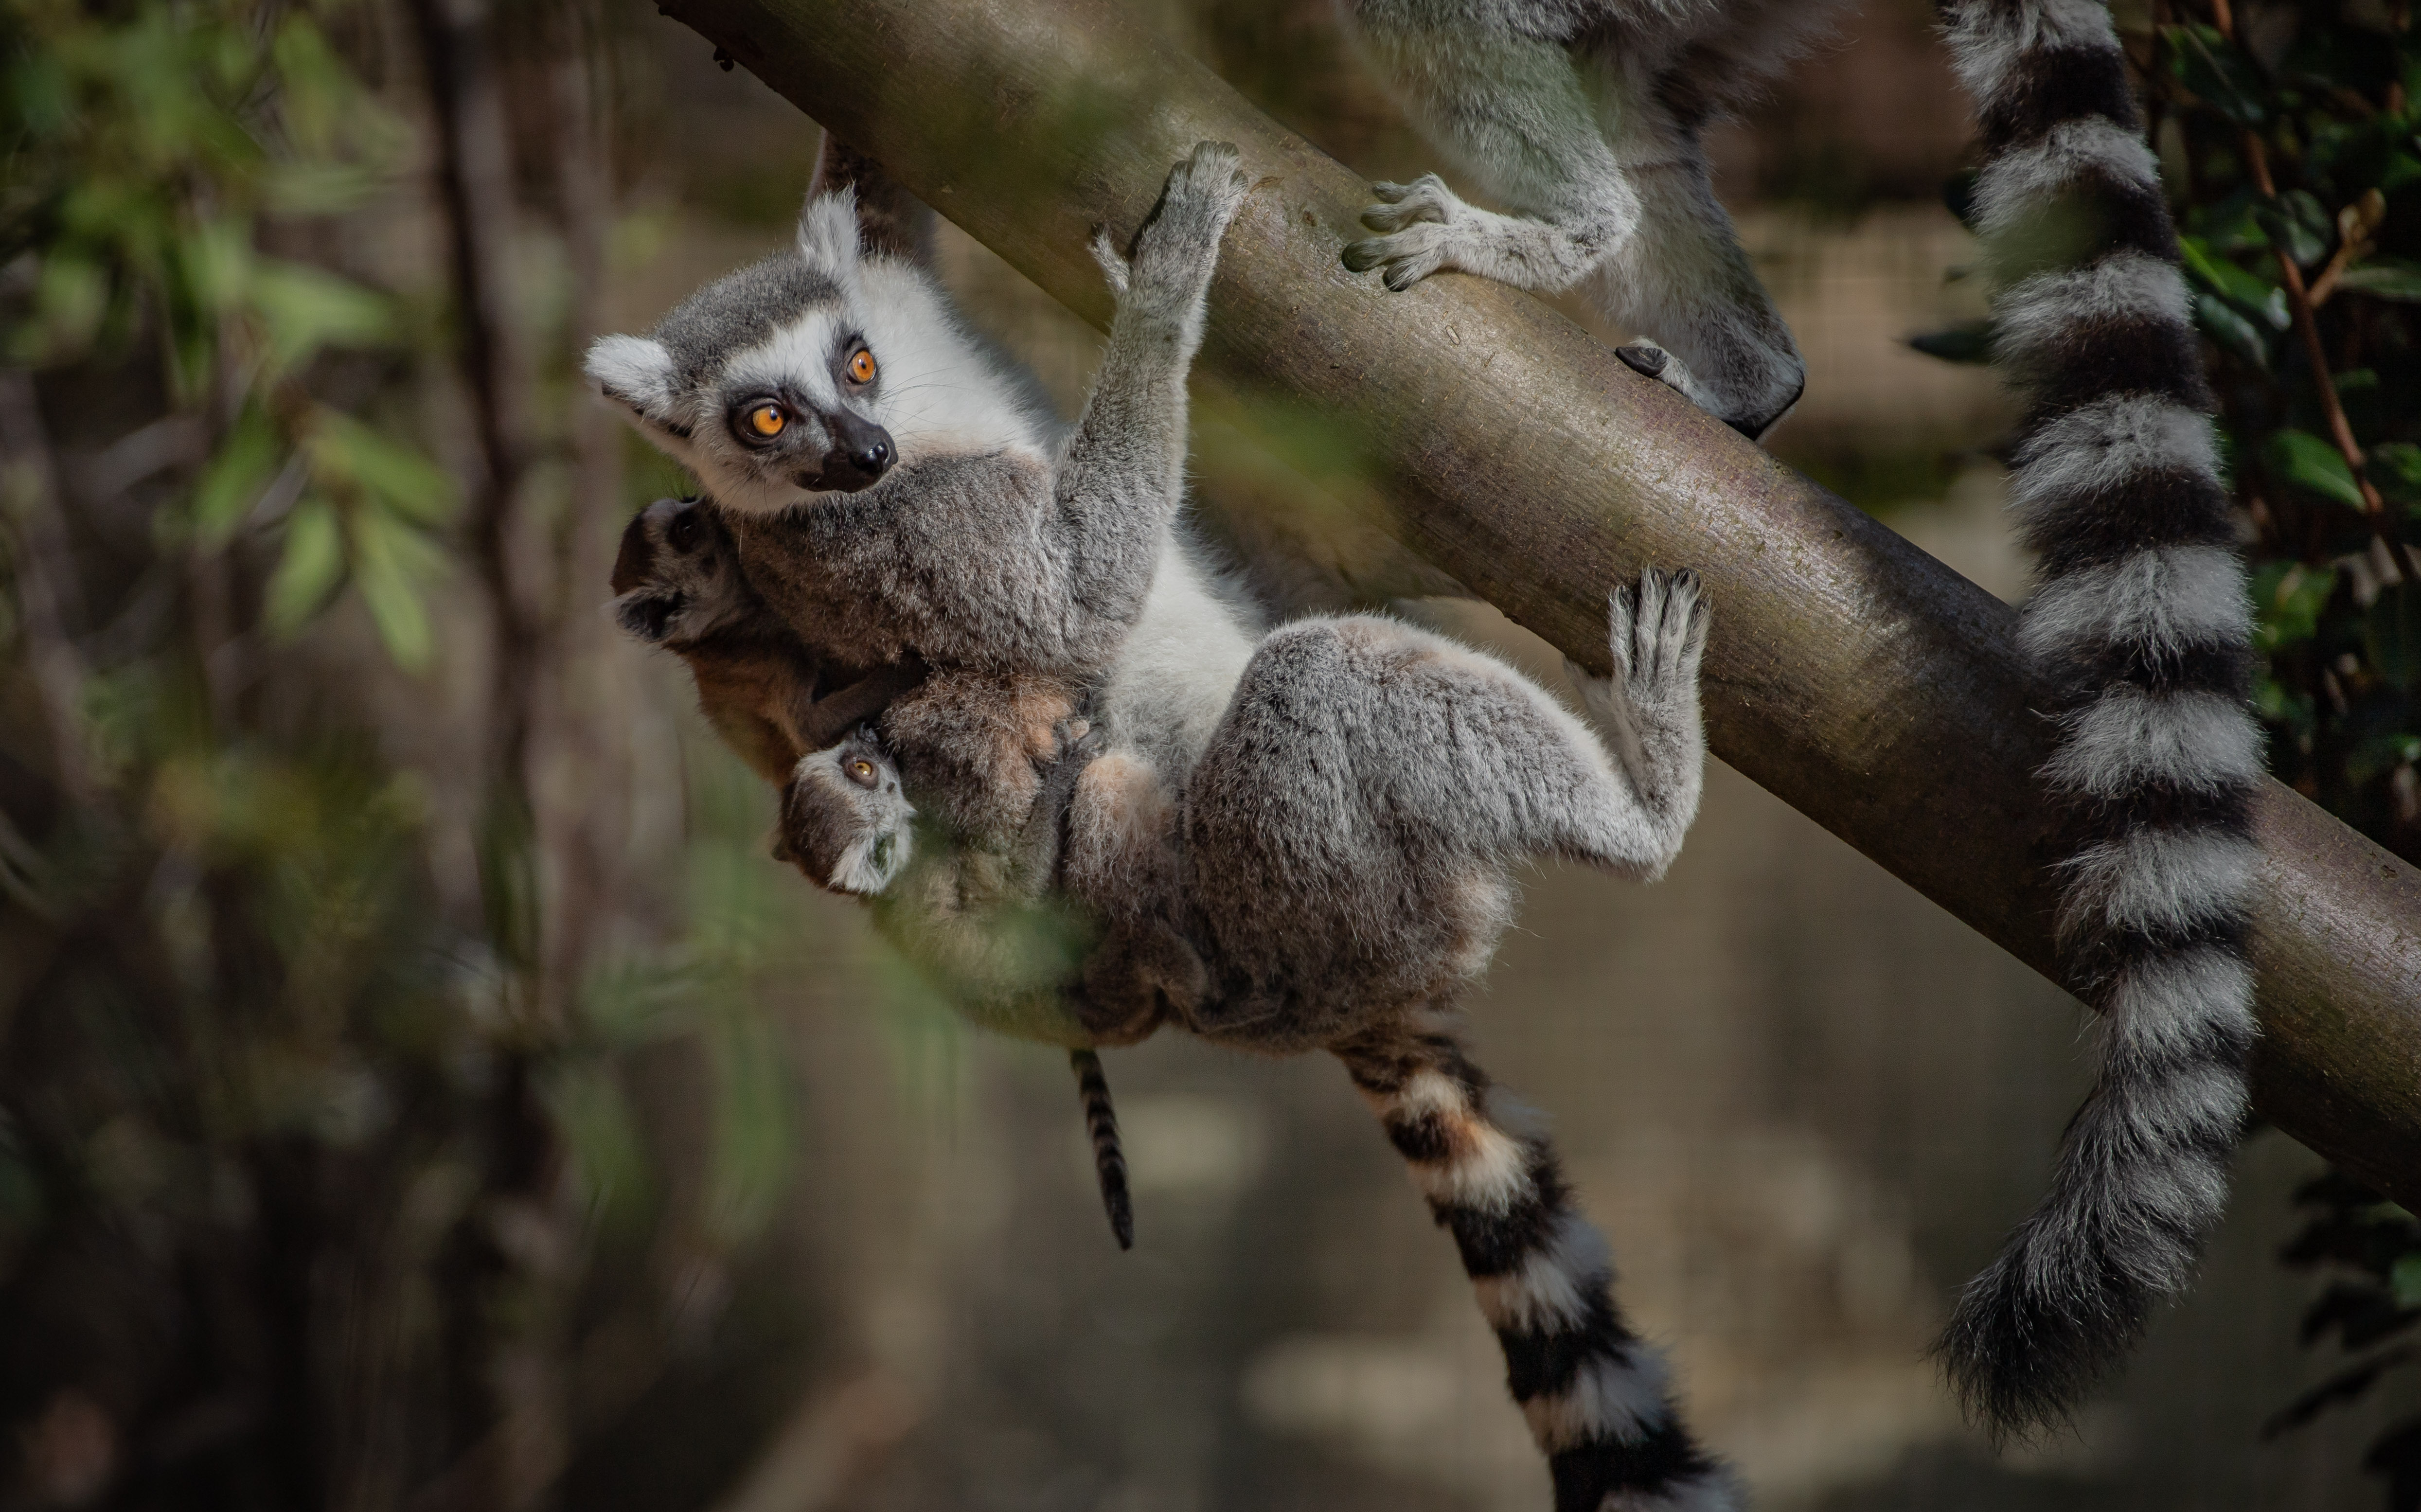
(1610, 183)
(1121, 474)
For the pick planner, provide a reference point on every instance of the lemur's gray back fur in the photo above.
(2142, 624)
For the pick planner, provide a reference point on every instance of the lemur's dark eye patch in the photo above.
(861, 366)
(767, 419)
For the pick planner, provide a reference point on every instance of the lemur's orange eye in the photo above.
(767, 419)
(861, 367)
(862, 771)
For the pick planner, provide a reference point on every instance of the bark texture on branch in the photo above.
(1854, 676)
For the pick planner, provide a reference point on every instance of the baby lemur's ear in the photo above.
(828, 233)
(637, 374)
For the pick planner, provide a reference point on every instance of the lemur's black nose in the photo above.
(861, 452)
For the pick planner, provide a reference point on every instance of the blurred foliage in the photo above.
(298, 1155)
(2372, 1250)
(2291, 142)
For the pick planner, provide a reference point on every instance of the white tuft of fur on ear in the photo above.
(634, 371)
(828, 233)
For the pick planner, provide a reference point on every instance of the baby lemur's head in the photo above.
(676, 578)
(845, 821)
(811, 374)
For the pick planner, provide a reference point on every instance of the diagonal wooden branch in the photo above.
(1852, 675)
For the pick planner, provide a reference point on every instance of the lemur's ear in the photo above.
(636, 373)
(828, 232)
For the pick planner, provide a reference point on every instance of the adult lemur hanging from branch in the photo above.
(1330, 849)
(1585, 117)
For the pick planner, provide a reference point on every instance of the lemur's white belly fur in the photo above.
(1179, 668)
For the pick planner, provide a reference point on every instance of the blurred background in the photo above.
(418, 1090)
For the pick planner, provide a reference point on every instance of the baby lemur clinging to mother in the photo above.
(1302, 841)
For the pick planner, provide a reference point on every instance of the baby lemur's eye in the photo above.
(862, 773)
(767, 419)
(861, 367)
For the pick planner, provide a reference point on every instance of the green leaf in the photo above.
(305, 308)
(2229, 225)
(2220, 74)
(749, 1153)
(308, 568)
(2220, 321)
(2255, 295)
(2304, 460)
(2288, 598)
(316, 188)
(2391, 634)
(601, 1134)
(2406, 1280)
(2296, 225)
(234, 479)
(2395, 469)
(217, 262)
(387, 556)
(350, 457)
(2392, 278)
(2402, 169)
(1969, 343)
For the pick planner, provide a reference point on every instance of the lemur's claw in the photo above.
(1105, 248)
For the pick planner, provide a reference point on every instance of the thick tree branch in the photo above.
(1852, 675)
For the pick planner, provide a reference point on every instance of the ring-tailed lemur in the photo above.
(1584, 115)
(1329, 847)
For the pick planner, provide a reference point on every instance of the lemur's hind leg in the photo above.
(1596, 1395)
(1610, 187)
(1347, 836)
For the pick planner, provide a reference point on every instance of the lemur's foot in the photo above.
(1427, 223)
(1752, 418)
(1648, 360)
(1657, 634)
(845, 821)
(1179, 244)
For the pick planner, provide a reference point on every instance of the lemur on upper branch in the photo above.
(1585, 117)
(1322, 821)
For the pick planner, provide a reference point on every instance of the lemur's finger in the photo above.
(1682, 596)
(1694, 644)
(1617, 631)
(1644, 624)
(1113, 264)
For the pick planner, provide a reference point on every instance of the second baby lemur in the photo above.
(1323, 819)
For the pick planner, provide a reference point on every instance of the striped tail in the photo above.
(2141, 627)
(1595, 1393)
(1109, 1158)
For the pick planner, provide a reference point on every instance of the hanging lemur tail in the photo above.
(1595, 1393)
(2141, 626)
(1109, 1158)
